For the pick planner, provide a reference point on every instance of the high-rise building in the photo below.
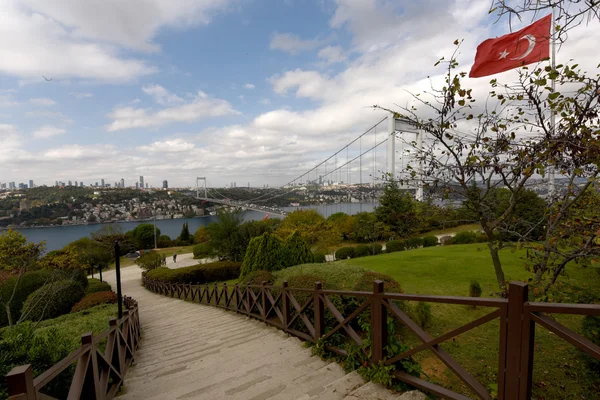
(70, 183)
(122, 182)
(146, 185)
(55, 183)
(96, 184)
(141, 181)
(22, 186)
(76, 184)
(30, 184)
(11, 185)
(137, 185)
(80, 184)
(102, 182)
(2, 185)
(165, 184)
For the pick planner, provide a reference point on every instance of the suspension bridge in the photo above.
(381, 152)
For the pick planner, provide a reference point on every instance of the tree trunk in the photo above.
(497, 266)
(8, 314)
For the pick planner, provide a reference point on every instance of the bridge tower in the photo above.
(401, 126)
(201, 178)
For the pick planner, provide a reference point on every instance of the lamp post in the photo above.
(155, 246)
(118, 273)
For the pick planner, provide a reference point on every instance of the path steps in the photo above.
(192, 351)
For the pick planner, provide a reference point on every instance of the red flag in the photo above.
(530, 44)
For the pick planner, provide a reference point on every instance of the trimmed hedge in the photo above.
(466, 237)
(53, 299)
(95, 299)
(414, 243)
(395, 245)
(95, 285)
(80, 276)
(344, 253)
(29, 283)
(375, 248)
(319, 257)
(430, 241)
(258, 277)
(362, 250)
(365, 283)
(201, 273)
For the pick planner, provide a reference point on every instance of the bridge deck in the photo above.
(191, 351)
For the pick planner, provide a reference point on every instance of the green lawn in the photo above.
(559, 371)
(456, 229)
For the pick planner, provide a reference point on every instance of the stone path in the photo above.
(192, 351)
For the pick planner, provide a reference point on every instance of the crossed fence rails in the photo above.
(278, 306)
(100, 363)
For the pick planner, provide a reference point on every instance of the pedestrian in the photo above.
(164, 261)
(175, 257)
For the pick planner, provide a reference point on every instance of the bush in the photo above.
(80, 276)
(149, 261)
(297, 251)
(340, 276)
(52, 300)
(319, 257)
(466, 237)
(395, 245)
(164, 241)
(422, 313)
(365, 283)
(95, 299)
(203, 250)
(362, 250)
(446, 240)
(264, 252)
(198, 274)
(94, 285)
(414, 243)
(375, 248)
(258, 277)
(430, 241)
(29, 283)
(344, 253)
(590, 327)
(475, 289)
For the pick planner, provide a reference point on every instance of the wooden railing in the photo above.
(100, 364)
(280, 307)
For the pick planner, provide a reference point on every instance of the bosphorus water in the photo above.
(59, 236)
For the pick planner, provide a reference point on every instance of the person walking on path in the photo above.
(175, 257)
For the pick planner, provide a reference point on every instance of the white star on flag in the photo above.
(503, 54)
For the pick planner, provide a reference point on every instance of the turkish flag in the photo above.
(530, 44)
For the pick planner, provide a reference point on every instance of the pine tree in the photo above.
(184, 237)
(263, 253)
(297, 251)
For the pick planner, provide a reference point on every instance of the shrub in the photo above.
(446, 240)
(395, 245)
(414, 243)
(475, 289)
(263, 252)
(29, 283)
(297, 251)
(422, 313)
(95, 299)
(164, 241)
(430, 241)
(365, 283)
(80, 276)
(341, 276)
(482, 238)
(344, 253)
(258, 277)
(375, 248)
(362, 250)
(466, 237)
(149, 260)
(94, 285)
(203, 250)
(199, 274)
(319, 257)
(52, 300)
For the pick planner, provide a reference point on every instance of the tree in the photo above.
(264, 253)
(510, 140)
(90, 253)
(398, 210)
(368, 229)
(223, 234)
(201, 235)
(142, 236)
(17, 256)
(342, 223)
(108, 234)
(149, 261)
(312, 226)
(184, 236)
(297, 251)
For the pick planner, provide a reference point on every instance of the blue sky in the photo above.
(248, 91)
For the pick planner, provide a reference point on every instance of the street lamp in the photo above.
(155, 246)
(118, 273)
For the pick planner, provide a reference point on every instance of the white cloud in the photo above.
(79, 95)
(7, 101)
(167, 146)
(292, 43)
(249, 86)
(198, 108)
(162, 95)
(74, 39)
(332, 54)
(49, 114)
(40, 101)
(77, 152)
(47, 131)
(265, 101)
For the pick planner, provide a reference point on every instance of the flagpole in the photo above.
(551, 183)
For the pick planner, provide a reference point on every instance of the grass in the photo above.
(559, 371)
(456, 229)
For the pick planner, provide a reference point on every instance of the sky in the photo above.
(247, 91)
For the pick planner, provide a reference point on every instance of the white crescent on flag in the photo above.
(531, 40)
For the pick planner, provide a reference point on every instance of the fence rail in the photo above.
(100, 363)
(301, 312)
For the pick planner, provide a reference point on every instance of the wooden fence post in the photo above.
(20, 383)
(286, 306)
(519, 345)
(236, 292)
(319, 312)
(263, 299)
(379, 333)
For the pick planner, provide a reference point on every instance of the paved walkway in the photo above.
(192, 351)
